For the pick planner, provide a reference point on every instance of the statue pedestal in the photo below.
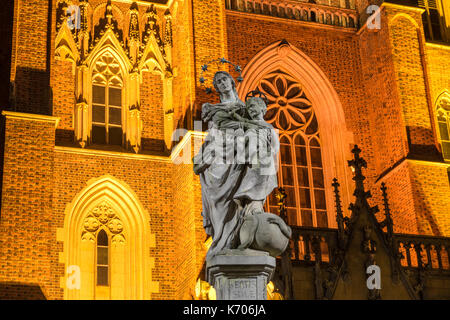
(240, 274)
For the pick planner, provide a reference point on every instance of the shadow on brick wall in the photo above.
(32, 92)
(153, 145)
(418, 150)
(20, 291)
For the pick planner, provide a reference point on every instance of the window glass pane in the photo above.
(435, 24)
(115, 97)
(313, 126)
(319, 196)
(316, 158)
(318, 178)
(284, 139)
(286, 154)
(98, 94)
(443, 130)
(115, 136)
(283, 121)
(288, 174)
(322, 220)
(425, 25)
(300, 156)
(303, 180)
(292, 217)
(446, 150)
(98, 114)
(115, 116)
(307, 218)
(290, 196)
(299, 140)
(102, 276)
(98, 134)
(314, 143)
(305, 198)
(102, 238)
(102, 255)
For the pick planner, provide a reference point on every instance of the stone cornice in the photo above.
(30, 117)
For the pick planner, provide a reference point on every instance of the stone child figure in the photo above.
(260, 230)
(259, 151)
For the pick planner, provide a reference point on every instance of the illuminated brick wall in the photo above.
(430, 184)
(27, 216)
(152, 112)
(378, 76)
(386, 144)
(439, 72)
(408, 55)
(381, 117)
(63, 84)
(151, 180)
(210, 41)
(30, 67)
(183, 60)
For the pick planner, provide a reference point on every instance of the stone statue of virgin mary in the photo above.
(234, 190)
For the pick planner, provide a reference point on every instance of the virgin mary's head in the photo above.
(223, 82)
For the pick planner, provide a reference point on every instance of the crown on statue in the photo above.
(220, 62)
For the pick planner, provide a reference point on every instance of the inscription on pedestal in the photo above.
(242, 289)
(236, 276)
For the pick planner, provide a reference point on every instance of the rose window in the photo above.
(288, 109)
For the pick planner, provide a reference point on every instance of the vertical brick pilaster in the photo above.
(27, 196)
(30, 65)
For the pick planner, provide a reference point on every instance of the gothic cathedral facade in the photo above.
(103, 115)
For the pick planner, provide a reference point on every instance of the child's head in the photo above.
(256, 108)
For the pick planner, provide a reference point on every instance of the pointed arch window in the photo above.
(301, 167)
(107, 84)
(443, 123)
(433, 19)
(102, 258)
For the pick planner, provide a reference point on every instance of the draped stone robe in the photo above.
(226, 185)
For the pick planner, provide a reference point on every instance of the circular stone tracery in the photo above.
(288, 109)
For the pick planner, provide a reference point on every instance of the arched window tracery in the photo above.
(107, 84)
(301, 167)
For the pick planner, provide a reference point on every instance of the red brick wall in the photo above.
(430, 184)
(183, 62)
(387, 139)
(210, 41)
(400, 196)
(29, 67)
(439, 72)
(184, 225)
(26, 236)
(386, 143)
(63, 86)
(406, 38)
(152, 113)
